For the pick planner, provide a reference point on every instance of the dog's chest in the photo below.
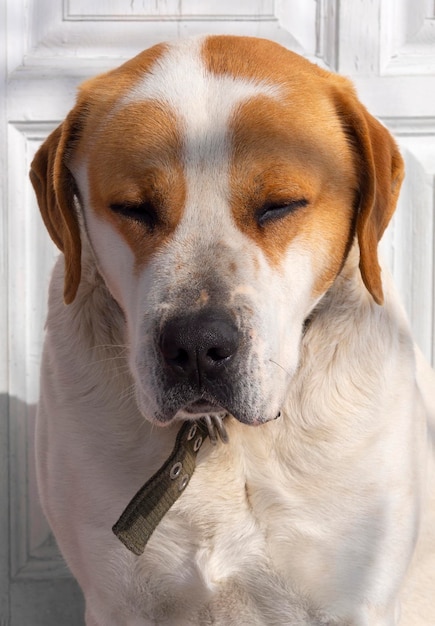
(236, 525)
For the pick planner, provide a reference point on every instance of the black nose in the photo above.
(199, 346)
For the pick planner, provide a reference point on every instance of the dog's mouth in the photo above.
(200, 407)
(211, 414)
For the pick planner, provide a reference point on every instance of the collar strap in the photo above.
(151, 503)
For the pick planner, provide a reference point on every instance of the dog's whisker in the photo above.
(109, 346)
(141, 426)
(128, 393)
(118, 369)
(107, 360)
(280, 366)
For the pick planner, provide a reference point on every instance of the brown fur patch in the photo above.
(286, 152)
(98, 96)
(136, 159)
(255, 59)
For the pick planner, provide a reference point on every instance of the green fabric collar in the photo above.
(151, 503)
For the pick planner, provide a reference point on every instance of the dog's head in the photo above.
(222, 182)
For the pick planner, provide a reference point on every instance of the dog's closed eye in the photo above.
(144, 212)
(277, 210)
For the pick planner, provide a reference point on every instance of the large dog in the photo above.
(218, 203)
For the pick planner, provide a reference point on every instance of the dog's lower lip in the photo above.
(202, 406)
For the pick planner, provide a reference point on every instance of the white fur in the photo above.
(311, 519)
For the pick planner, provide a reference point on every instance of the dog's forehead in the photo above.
(201, 80)
(190, 99)
(211, 128)
(183, 78)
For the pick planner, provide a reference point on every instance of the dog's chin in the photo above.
(206, 407)
(198, 409)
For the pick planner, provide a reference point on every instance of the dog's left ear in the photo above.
(380, 170)
(55, 189)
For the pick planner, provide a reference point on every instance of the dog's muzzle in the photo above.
(206, 364)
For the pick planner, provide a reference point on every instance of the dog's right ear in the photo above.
(54, 187)
(380, 171)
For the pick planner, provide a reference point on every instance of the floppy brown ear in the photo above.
(380, 171)
(54, 187)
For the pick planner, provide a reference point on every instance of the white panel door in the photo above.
(46, 48)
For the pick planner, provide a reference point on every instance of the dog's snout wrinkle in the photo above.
(199, 346)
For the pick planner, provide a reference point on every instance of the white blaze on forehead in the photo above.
(199, 98)
(203, 104)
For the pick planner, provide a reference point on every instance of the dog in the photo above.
(218, 204)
